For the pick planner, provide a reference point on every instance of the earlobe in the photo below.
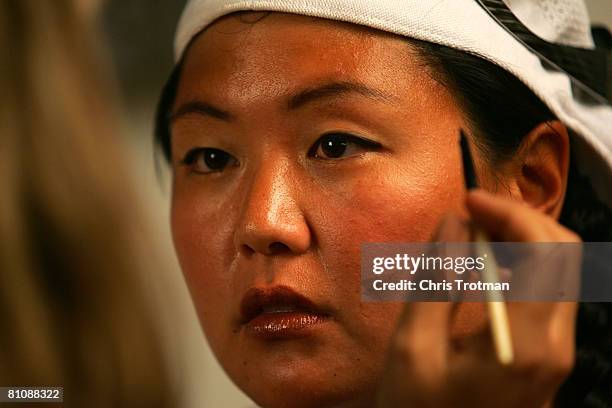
(544, 156)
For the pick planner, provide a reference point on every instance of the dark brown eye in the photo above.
(207, 160)
(339, 145)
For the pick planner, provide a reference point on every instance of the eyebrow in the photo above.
(335, 89)
(202, 108)
(325, 91)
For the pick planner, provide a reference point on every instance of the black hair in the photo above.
(501, 110)
(164, 110)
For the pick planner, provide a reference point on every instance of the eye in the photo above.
(339, 145)
(207, 160)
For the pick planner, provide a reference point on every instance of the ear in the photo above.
(540, 178)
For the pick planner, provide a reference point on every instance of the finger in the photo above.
(542, 335)
(510, 221)
(543, 339)
(550, 272)
(416, 364)
(452, 228)
(422, 336)
(451, 231)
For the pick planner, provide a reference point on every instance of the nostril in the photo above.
(247, 250)
(278, 247)
(274, 248)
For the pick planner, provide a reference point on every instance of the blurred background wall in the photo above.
(140, 34)
(600, 11)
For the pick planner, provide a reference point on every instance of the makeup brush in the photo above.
(498, 313)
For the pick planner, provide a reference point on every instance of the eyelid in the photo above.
(190, 157)
(359, 140)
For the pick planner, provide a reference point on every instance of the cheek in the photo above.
(202, 241)
(394, 203)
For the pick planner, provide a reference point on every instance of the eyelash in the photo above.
(360, 141)
(193, 155)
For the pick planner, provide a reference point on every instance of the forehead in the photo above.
(250, 55)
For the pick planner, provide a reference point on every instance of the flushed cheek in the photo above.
(201, 244)
(391, 205)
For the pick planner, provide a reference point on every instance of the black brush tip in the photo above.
(468, 164)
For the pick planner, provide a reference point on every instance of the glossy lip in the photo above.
(279, 312)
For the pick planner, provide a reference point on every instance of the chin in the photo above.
(304, 396)
(305, 384)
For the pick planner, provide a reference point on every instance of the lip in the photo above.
(279, 312)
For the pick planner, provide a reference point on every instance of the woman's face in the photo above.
(327, 135)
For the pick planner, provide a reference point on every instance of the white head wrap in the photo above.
(466, 25)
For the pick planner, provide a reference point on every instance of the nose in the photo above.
(271, 220)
